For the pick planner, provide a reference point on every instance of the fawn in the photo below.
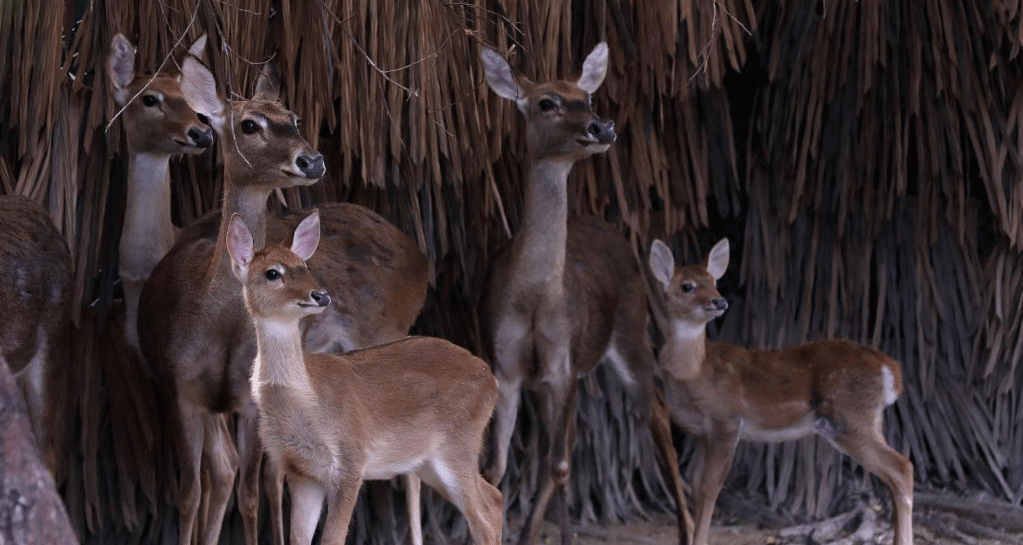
(722, 393)
(418, 405)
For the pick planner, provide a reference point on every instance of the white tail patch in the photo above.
(888, 382)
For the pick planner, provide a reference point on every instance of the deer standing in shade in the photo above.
(418, 405)
(565, 294)
(723, 393)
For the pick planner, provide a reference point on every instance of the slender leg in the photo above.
(554, 397)
(340, 504)
(871, 450)
(306, 504)
(223, 462)
(660, 428)
(412, 504)
(719, 447)
(510, 341)
(273, 478)
(251, 456)
(190, 446)
(457, 480)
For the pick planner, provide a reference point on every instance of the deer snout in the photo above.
(718, 303)
(322, 298)
(201, 138)
(310, 164)
(603, 130)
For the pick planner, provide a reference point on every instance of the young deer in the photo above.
(158, 123)
(418, 405)
(567, 293)
(722, 393)
(35, 303)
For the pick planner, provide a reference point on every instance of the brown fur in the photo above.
(723, 393)
(417, 405)
(35, 302)
(564, 293)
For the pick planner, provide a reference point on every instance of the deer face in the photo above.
(560, 122)
(262, 144)
(277, 283)
(157, 120)
(690, 292)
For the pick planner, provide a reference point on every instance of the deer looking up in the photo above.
(722, 393)
(418, 405)
(35, 303)
(565, 292)
(158, 123)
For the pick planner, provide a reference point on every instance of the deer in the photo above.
(419, 405)
(565, 294)
(158, 124)
(721, 393)
(192, 323)
(35, 304)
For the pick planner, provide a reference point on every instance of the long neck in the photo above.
(685, 351)
(280, 360)
(544, 228)
(148, 232)
(249, 202)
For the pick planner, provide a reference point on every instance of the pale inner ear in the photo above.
(499, 75)
(239, 246)
(121, 66)
(662, 262)
(268, 83)
(200, 91)
(717, 261)
(307, 236)
(594, 69)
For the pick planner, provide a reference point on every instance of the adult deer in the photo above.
(377, 270)
(158, 124)
(722, 393)
(565, 293)
(419, 405)
(35, 303)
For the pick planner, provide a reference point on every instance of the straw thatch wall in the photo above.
(864, 158)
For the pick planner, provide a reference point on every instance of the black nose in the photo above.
(322, 298)
(311, 165)
(201, 138)
(720, 303)
(602, 130)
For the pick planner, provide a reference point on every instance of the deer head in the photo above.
(262, 143)
(156, 117)
(690, 292)
(560, 122)
(277, 283)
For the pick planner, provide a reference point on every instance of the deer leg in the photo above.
(456, 478)
(223, 463)
(251, 456)
(718, 449)
(412, 504)
(306, 503)
(660, 428)
(508, 356)
(870, 449)
(340, 504)
(554, 399)
(190, 446)
(273, 479)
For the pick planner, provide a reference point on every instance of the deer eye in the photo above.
(272, 274)
(546, 105)
(688, 287)
(202, 119)
(249, 126)
(150, 100)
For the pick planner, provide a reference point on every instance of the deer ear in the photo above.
(268, 83)
(307, 236)
(717, 261)
(662, 263)
(121, 66)
(198, 47)
(500, 76)
(200, 91)
(239, 245)
(594, 69)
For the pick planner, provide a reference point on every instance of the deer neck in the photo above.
(249, 203)
(685, 351)
(279, 359)
(148, 232)
(544, 230)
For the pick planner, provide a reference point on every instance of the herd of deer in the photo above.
(306, 342)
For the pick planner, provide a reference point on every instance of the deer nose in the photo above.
(603, 130)
(322, 298)
(720, 303)
(311, 165)
(201, 138)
